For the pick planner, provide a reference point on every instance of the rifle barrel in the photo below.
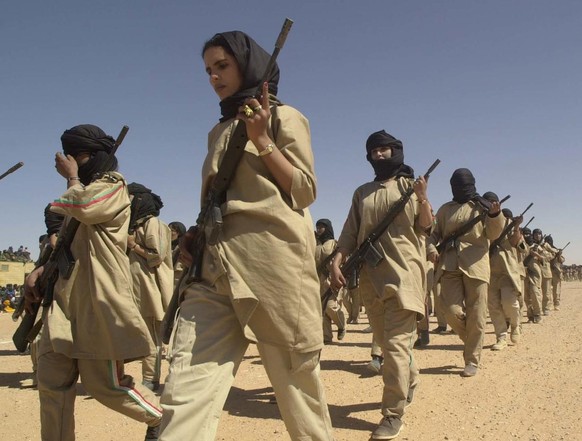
(12, 169)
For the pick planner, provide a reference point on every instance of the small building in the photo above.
(14, 272)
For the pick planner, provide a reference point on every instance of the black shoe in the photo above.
(151, 385)
(440, 330)
(537, 319)
(389, 428)
(152, 433)
(423, 339)
(341, 333)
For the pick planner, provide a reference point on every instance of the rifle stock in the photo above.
(497, 242)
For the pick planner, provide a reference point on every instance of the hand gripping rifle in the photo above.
(367, 252)
(465, 228)
(494, 247)
(209, 221)
(11, 170)
(60, 262)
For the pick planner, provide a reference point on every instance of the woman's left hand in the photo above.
(257, 122)
(420, 186)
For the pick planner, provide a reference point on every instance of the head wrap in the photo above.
(507, 213)
(328, 233)
(180, 229)
(144, 204)
(463, 187)
(252, 61)
(490, 196)
(52, 221)
(88, 138)
(393, 166)
(550, 239)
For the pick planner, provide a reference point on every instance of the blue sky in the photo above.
(493, 86)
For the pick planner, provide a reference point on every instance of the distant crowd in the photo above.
(10, 296)
(20, 255)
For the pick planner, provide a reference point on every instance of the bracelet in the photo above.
(73, 178)
(422, 201)
(268, 150)
(134, 245)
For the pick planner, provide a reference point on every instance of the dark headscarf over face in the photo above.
(180, 229)
(252, 61)
(328, 233)
(490, 196)
(87, 138)
(463, 187)
(143, 205)
(550, 239)
(393, 166)
(507, 213)
(52, 221)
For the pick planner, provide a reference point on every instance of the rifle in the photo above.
(209, 221)
(11, 170)
(60, 262)
(529, 222)
(464, 229)
(497, 242)
(366, 252)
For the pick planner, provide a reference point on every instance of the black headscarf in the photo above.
(328, 233)
(507, 213)
(88, 138)
(393, 166)
(180, 229)
(550, 239)
(252, 60)
(463, 187)
(144, 204)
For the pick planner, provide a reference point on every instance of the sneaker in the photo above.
(29, 383)
(151, 385)
(389, 428)
(537, 319)
(410, 395)
(516, 334)
(152, 434)
(341, 333)
(500, 345)
(470, 370)
(440, 330)
(556, 308)
(367, 330)
(423, 339)
(375, 365)
(546, 312)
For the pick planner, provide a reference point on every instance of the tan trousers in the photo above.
(533, 295)
(394, 331)
(152, 365)
(465, 301)
(104, 380)
(503, 304)
(556, 289)
(333, 313)
(207, 349)
(353, 302)
(439, 307)
(546, 293)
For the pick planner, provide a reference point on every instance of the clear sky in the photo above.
(493, 86)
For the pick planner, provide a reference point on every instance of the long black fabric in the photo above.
(464, 190)
(252, 60)
(144, 204)
(328, 233)
(52, 221)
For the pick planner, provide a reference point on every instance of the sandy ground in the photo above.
(528, 392)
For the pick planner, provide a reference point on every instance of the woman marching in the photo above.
(259, 281)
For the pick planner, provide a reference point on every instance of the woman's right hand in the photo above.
(433, 257)
(32, 294)
(337, 279)
(185, 245)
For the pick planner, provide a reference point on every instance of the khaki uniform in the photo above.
(394, 291)
(463, 271)
(153, 285)
(505, 287)
(93, 324)
(556, 265)
(333, 309)
(547, 251)
(533, 286)
(259, 284)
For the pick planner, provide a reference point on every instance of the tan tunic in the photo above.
(267, 245)
(94, 315)
(547, 251)
(153, 277)
(505, 262)
(402, 272)
(322, 252)
(470, 253)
